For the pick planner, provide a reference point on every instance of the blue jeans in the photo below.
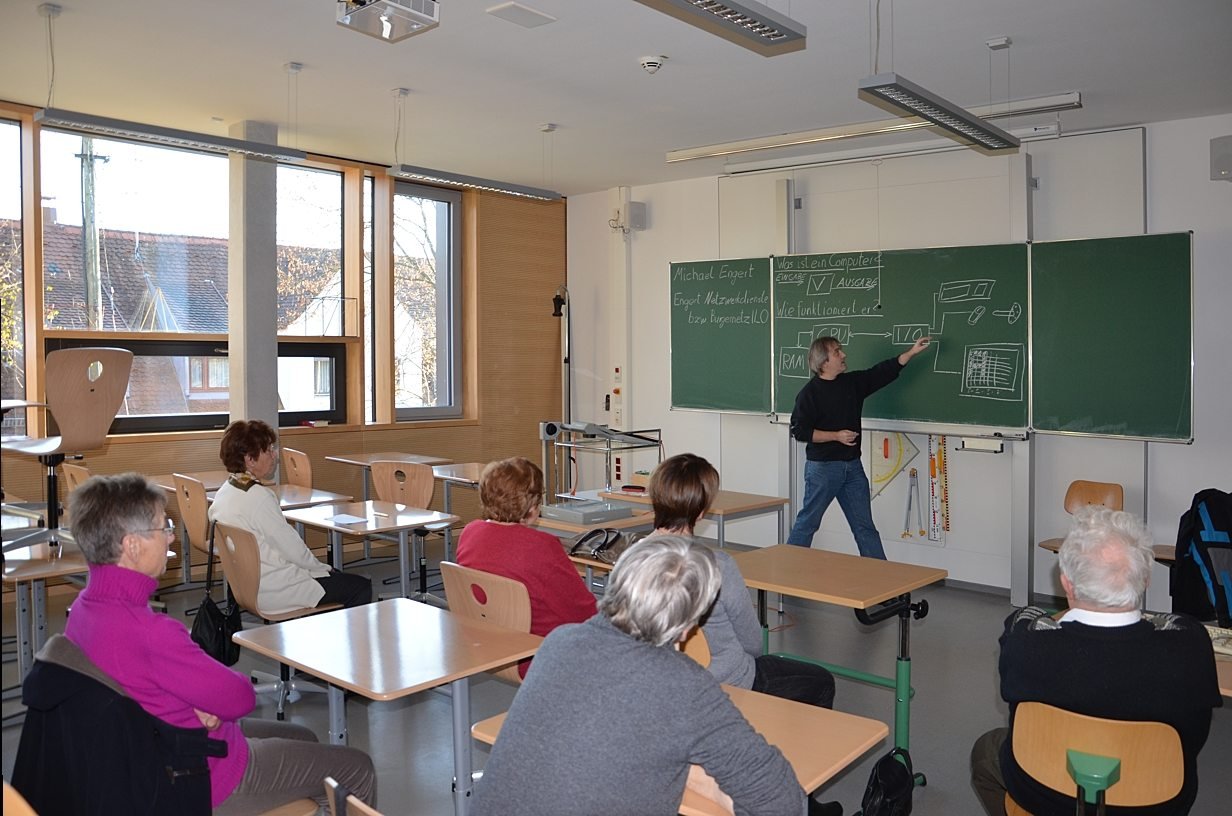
(845, 481)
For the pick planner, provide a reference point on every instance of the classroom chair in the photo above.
(85, 390)
(241, 563)
(296, 467)
(697, 647)
(481, 595)
(300, 807)
(1108, 762)
(411, 485)
(1084, 494)
(343, 803)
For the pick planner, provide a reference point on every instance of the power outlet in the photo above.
(618, 416)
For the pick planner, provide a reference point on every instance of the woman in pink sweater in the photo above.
(121, 526)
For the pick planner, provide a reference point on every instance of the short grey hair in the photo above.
(1107, 557)
(104, 509)
(660, 588)
(819, 352)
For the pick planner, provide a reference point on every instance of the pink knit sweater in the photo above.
(152, 657)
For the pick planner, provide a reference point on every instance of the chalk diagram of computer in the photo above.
(992, 371)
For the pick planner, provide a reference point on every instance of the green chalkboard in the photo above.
(721, 335)
(1112, 336)
(971, 300)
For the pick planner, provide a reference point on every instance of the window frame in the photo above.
(449, 341)
(157, 423)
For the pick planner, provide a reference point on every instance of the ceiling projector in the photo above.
(389, 20)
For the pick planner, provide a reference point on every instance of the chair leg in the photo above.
(284, 676)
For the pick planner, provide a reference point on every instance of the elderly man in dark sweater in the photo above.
(827, 417)
(1102, 658)
(611, 715)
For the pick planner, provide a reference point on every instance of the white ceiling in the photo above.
(481, 86)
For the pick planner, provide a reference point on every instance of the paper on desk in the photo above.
(343, 518)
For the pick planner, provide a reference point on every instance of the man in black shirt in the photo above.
(827, 417)
(1103, 658)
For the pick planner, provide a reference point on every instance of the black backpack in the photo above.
(1201, 579)
(889, 786)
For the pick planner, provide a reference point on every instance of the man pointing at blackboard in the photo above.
(827, 417)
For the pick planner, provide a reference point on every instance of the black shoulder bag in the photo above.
(212, 629)
(602, 544)
(889, 786)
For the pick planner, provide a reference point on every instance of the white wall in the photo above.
(1090, 186)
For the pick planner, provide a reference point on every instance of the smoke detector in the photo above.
(652, 65)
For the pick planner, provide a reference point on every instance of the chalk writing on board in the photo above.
(729, 295)
(849, 287)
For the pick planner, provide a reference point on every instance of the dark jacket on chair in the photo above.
(88, 748)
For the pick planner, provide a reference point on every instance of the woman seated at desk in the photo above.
(291, 576)
(613, 716)
(120, 524)
(682, 488)
(503, 543)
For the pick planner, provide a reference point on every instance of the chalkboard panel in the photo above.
(971, 300)
(1112, 336)
(721, 335)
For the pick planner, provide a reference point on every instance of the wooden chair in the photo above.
(1084, 494)
(241, 563)
(481, 595)
(1115, 762)
(344, 803)
(409, 484)
(14, 803)
(85, 390)
(697, 647)
(300, 807)
(191, 499)
(74, 476)
(296, 467)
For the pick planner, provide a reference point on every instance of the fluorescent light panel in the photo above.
(901, 96)
(1020, 107)
(120, 129)
(389, 20)
(447, 179)
(744, 22)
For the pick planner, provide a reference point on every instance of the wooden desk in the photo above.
(816, 741)
(365, 460)
(378, 518)
(851, 581)
(390, 649)
(28, 569)
(728, 506)
(1223, 666)
(464, 474)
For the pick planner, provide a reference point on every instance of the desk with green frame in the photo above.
(877, 591)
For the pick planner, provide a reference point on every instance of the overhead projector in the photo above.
(389, 20)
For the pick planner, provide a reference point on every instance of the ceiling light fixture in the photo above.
(170, 137)
(412, 173)
(1021, 107)
(389, 20)
(900, 96)
(744, 22)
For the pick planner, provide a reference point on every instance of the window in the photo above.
(311, 299)
(12, 290)
(426, 303)
(134, 236)
(209, 374)
(322, 376)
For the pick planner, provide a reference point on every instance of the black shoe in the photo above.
(824, 808)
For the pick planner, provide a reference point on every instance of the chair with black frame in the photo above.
(481, 595)
(1099, 762)
(411, 485)
(85, 388)
(241, 563)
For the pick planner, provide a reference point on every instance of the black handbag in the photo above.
(890, 786)
(602, 544)
(212, 629)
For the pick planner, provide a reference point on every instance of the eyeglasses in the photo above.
(168, 528)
